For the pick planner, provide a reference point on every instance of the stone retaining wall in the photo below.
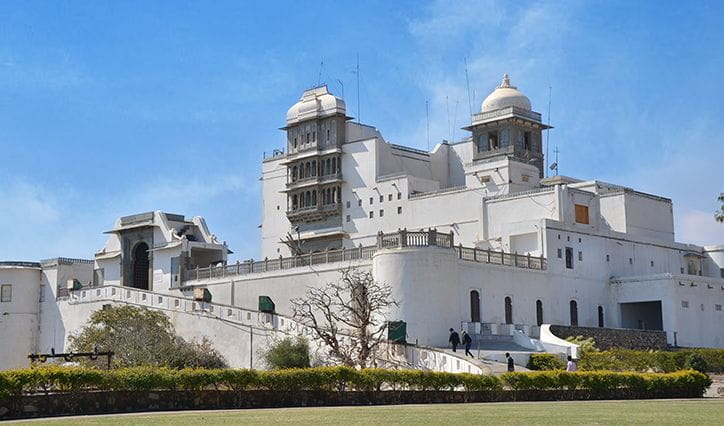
(607, 338)
(84, 403)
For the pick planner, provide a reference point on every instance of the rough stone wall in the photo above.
(607, 338)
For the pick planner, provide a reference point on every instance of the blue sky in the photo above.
(114, 108)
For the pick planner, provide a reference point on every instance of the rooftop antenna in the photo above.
(319, 78)
(548, 130)
(554, 166)
(427, 115)
(447, 106)
(455, 120)
(467, 81)
(341, 85)
(359, 114)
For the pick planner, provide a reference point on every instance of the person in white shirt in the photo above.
(571, 366)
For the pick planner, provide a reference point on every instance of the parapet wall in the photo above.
(607, 338)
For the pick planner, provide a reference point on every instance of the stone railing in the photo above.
(399, 239)
(481, 116)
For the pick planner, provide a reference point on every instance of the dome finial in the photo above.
(506, 81)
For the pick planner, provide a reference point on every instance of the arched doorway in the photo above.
(539, 312)
(474, 306)
(140, 266)
(574, 313)
(508, 310)
(600, 316)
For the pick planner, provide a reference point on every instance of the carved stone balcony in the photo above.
(313, 181)
(313, 213)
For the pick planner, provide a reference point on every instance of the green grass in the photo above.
(691, 412)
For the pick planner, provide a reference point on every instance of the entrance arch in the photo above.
(474, 306)
(574, 313)
(539, 312)
(508, 310)
(140, 266)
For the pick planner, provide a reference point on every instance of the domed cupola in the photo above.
(315, 103)
(505, 96)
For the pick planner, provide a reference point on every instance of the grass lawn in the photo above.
(690, 412)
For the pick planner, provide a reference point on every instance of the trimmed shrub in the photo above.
(543, 361)
(14, 383)
(653, 361)
(696, 362)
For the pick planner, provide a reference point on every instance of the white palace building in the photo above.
(469, 234)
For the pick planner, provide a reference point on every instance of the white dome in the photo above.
(315, 102)
(504, 96)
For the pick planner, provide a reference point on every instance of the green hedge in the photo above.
(76, 379)
(657, 361)
(544, 361)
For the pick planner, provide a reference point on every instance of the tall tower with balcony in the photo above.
(507, 127)
(315, 129)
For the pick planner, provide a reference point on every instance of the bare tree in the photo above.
(349, 316)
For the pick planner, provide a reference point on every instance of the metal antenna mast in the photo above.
(447, 106)
(359, 114)
(467, 81)
(548, 130)
(427, 115)
(319, 77)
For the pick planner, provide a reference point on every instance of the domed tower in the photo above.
(507, 126)
(315, 129)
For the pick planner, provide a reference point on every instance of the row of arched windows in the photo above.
(573, 308)
(330, 166)
(306, 199)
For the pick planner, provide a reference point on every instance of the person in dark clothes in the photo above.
(454, 339)
(467, 341)
(511, 364)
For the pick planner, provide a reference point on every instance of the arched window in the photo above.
(314, 168)
(339, 165)
(140, 266)
(294, 174)
(339, 195)
(334, 194)
(314, 198)
(328, 196)
(539, 312)
(295, 202)
(474, 306)
(307, 199)
(574, 313)
(508, 310)
(308, 170)
(334, 165)
(328, 165)
(600, 316)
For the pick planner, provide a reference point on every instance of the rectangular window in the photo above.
(682, 271)
(569, 257)
(347, 204)
(580, 256)
(560, 253)
(327, 135)
(630, 260)
(684, 303)
(608, 258)
(581, 214)
(382, 213)
(6, 293)
(717, 307)
(399, 210)
(652, 263)
(382, 198)
(389, 197)
(526, 141)
(372, 214)
(348, 218)
(721, 272)
(399, 195)
(359, 203)
(372, 200)
(525, 178)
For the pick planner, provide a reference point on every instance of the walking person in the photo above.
(571, 365)
(467, 341)
(454, 339)
(511, 363)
